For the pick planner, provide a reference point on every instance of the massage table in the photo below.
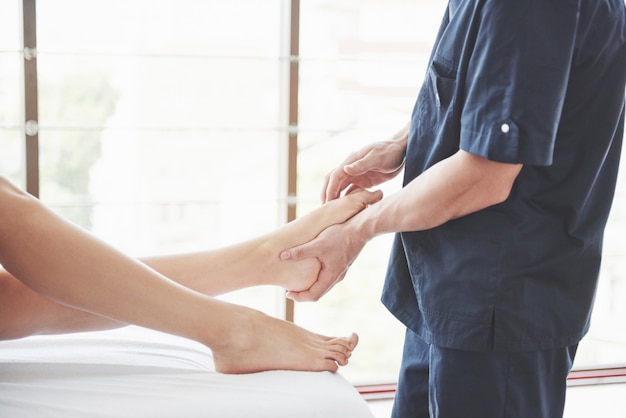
(135, 372)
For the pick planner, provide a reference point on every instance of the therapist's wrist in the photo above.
(363, 225)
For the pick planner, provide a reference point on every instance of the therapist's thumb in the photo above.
(356, 168)
(366, 163)
(294, 254)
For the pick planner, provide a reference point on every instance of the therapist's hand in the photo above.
(370, 166)
(336, 248)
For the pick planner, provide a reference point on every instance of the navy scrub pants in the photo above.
(438, 382)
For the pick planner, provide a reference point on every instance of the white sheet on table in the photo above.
(138, 373)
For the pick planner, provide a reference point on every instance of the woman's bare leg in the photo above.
(74, 269)
(24, 312)
(255, 341)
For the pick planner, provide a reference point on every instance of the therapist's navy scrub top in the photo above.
(536, 82)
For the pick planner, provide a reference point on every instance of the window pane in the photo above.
(185, 27)
(11, 26)
(12, 155)
(11, 89)
(11, 92)
(160, 122)
(362, 63)
(159, 91)
(606, 342)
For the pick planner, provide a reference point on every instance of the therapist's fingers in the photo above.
(325, 188)
(300, 252)
(319, 288)
(334, 183)
(363, 197)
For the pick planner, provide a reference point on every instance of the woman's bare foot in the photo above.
(258, 342)
(297, 276)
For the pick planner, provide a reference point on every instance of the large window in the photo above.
(160, 121)
(165, 126)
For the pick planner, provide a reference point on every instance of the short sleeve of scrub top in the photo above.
(516, 79)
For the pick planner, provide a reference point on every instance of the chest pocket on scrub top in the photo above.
(436, 97)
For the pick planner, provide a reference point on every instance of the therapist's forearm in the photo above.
(402, 136)
(455, 187)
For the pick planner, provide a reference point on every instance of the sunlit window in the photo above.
(160, 121)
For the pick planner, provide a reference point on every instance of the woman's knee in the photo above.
(13, 200)
(6, 186)
(4, 183)
(9, 190)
